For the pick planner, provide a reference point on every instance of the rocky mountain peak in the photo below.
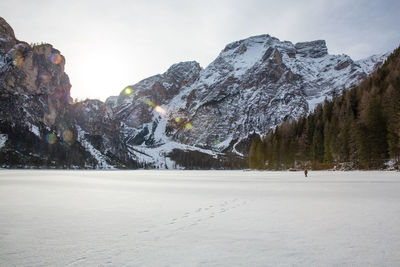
(5, 29)
(313, 49)
(160, 88)
(37, 69)
(267, 43)
(183, 73)
(7, 36)
(33, 71)
(185, 67)
(241, 44)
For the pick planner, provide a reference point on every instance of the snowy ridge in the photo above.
(242, 55)
(371, 63)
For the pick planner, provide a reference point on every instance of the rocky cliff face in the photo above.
(35, 107)
(186, 117)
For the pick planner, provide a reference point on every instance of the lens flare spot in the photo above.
(128, 91)
(160, 110)
(72, 101)
(18, 59)
(55, 58)
(68, 135)
(45, 77)
(177, 120)
(50, 138)
(188, 126)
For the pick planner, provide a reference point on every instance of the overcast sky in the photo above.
(111, 44)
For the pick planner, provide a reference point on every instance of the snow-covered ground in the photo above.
(199, 218)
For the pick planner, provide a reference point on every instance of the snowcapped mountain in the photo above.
(252, 86)
(185, 117)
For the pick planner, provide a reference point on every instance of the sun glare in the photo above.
(160, 110)
(128, 91)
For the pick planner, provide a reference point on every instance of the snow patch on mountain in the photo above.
(3, 140)
(313, 103)
(2, 63)
(34, 129)
(158, 155)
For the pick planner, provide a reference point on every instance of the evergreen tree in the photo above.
(256, 154)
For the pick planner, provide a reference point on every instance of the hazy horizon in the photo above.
(109, 46)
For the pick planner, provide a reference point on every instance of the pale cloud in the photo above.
(111, 44)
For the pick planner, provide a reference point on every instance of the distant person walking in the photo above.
(305, 172)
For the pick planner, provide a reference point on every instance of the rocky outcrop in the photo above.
(7, 37)
(35, 107)
(314, 49)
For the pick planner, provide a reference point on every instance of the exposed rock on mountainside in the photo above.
(35, 109)
(186, 117)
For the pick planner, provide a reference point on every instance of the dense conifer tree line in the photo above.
(360, 128)
(195, 160)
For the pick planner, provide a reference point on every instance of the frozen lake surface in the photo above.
(199, 218)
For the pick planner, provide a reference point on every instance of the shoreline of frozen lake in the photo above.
(199, 218)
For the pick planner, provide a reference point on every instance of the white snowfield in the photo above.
(199, 218)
